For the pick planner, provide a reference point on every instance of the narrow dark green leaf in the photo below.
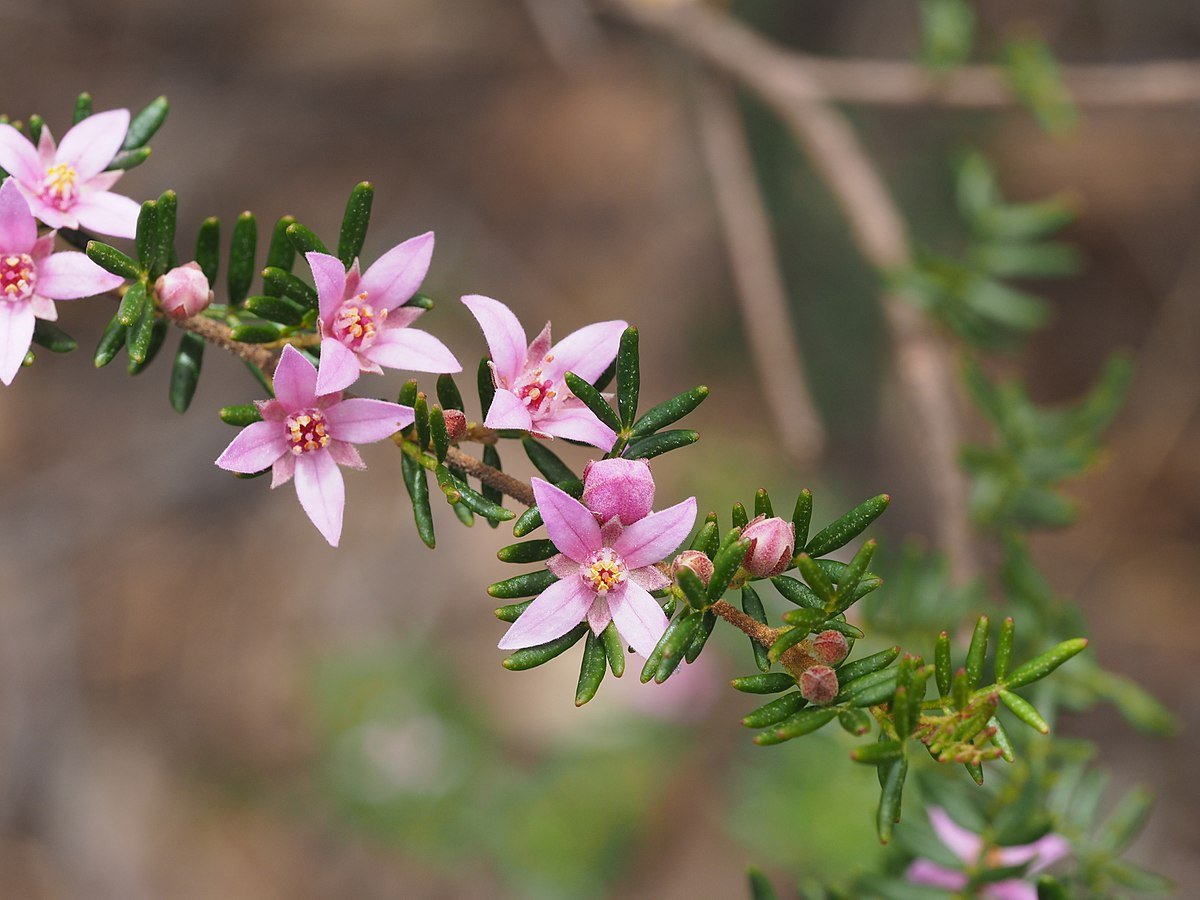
(133, 304)
(304, 240)
(768, 683)
(208, 248)
(629, 379)
(242, 248)
(775, 712)
(676, 641)
(614, 649)
(725, 565)
(241, 415)
(663, 442)
(437, 431)
(275, 309)
(146, 241)
(890, 798)
(786, 642)
(185, 372)
(1042, 665)
(1004, 646)
(977, 652)
(146, 123)
(1025, 711)
(448, 393)
(546, 460)
(255, 334)
(753, 607)
(83, 108)
(802, 516)
(817, 580)
(877, 753)
(527, 522)
(527, 552)
(593, 400)
(708, 621)
(512, 612)
(739, 516)
(421, 410)
(128, 159)
(113, 260)
(355, 222)
(762, 503)
(855, 721)
(140, 333)
(281, 256)
(804, 722)
(943, 664)
(531, 657)
(111, 343)
(760, 888)
(526, 585)
(47, 334)
(867, 665)
(485, 386)
(669, 411)
(278, 283)
(417, 483)
(846, 528)
(164, 250)
(591, 670)
(158, 335)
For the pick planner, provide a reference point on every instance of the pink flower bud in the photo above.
(183, 291)
(771, 544)
(696, 561)
(818, 684)
(830, 647)
(456, 423)
(618, 488)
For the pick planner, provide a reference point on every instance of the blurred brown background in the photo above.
(166, 631)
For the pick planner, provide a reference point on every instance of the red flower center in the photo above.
(357, 323)
(18, 275)
(603, 571)
(537, 394)
(306, 431)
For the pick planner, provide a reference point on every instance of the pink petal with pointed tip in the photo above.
(639, 618)
(922, 871)
(1009, 889)
(557, 610)
(394, 277)
(598, 616)
(507, 411)
(504, 335)
(47, 214)
(1043, 853)
(657, 536)
(586, 352)
(70, 275)
(329, 275)
(363, 421)
(403, 316)
(411, 348)
(256, 447)
(966, 845)
(538, 348)
(104, 181)
(43, 308)
(43, 246)
(16, 334)
(346, 455)
(91, 145)
(105, 213)
(18, 157)
(340, 367)
(46, 148)
(283, 470)
(578, 424)
(322, 492)
(571, 527)
(18, 227)
(295, 381)
(649, 578)
(562, 566)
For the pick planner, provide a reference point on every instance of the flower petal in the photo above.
(504, 335)
(411, 348)
(18, 157)
(394, 277)
(966, 845)
(16, 334)
(655, 537)
(18, 228)
(106, 213)
(577, 423)
(1043, 853)
(554, 612)
(922, 871)
(256, 447)
(639, 618)
(1009, 889)
(283, 470)
(362, 420)
(346, 455)
(562, 565)
(322, 492)
(329, 275)
(586, 352)
(92, 144)
(340, 367)
(571, 526)
(70, 275)
(598, 616)
(649, 578)
(507, 411)
(295, 380)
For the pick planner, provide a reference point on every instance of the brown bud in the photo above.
(830, 647)
(818, 684)
(696, 561)
(456, 423)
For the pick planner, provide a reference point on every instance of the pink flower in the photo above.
(364, 322)
(308, 435)
(184, 291)
(771, 544)
(66, 186)
(605, 573)
(698, 562)
(623, 488)
(530, 392)
(32, 278)
(970, 848)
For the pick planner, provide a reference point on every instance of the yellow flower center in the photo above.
(58, 185)
(306, 431)
(603, 571)
(357, 323)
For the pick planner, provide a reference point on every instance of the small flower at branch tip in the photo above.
(307, 435)
(605, 572)
(456, 423)
(618, 488)
(184, 291)
(696, 561)
(818, 684)
(831, 647)
(772, 542)
(32, 277)
(363, 322)
(66, 184)
(531, 391)
(971, 849)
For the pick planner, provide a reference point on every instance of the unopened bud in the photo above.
(456, 423)
(696, 561)
(818, 684)
(618, 488)
(771, 544)
(830, 647)
(183, 291)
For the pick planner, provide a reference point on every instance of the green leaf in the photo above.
(977, 652)
(208, 252)
(280, 283)
(522, 585)
(878, 752)
(512, 612)
(47, 334)
(111, 342)
(546, 460)
(281, 256)
(739, 516)
(448, 394)
(185, 371)
(164, 250)
(675, 642)
(846, 528)
(113, 260)
(146, 241)
(694, 590)
(128, 159)
(1034, 77)
(472, 499)
(255, 334)
(867, 665)
(304, 240)
(768, 683)
(802, 516)
(725, 564)
(1004, 647)
(421, 412)
(1025, 711)
(158, 334)
(146, 123)
(354, 223)
(669, 411)
(614, 649)
(133, 304)
(527, 552)
(629, 379)
(141, 331)
(890, 799)
(1042, 665)
(855, 721)
(275, 309)
(487, 389)
(242, 247)
(804, 722)
(786, 642)
(83, 109)
(530, 657)
(663, 442)
(776, 711)
(760, 888)
(817, 580)
(752, 606)
(593, 400)
(591, 670)
(417, 484)
(943, 664)
(762, 503)
(797, 592)
(241, 415)
(437, 430)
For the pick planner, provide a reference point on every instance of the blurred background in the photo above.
(199, 698)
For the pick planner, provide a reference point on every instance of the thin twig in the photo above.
(922, 356)
(492, 477)
(219, 334)
(756, 271)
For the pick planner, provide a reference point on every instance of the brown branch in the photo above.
(492, 477)
(922, 357)
(218, 334)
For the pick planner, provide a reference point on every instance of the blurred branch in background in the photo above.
(922, 356)
(756, 271)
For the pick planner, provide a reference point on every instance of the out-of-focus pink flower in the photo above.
(696, 561)
(184, 291)
(772, 542)
(363, 319)
(605, 573)
(32, 278)
(531, 393)
(970, 848)
(66, 185)
(620, 488)
(307, 435)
